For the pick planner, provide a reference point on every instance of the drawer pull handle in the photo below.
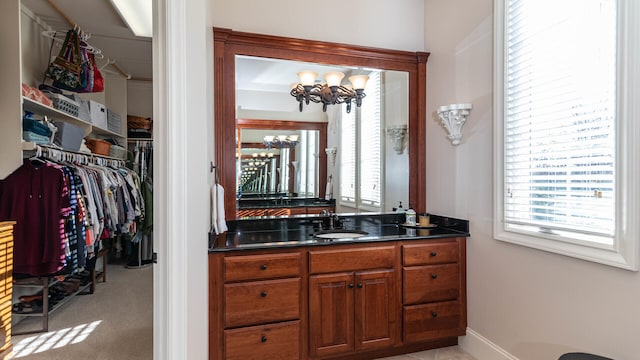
(434, 314)
(359, 286)
(434, 276)
(263, 339)
(263, 294)
(433, 253)
(350, 286)
(263, 267)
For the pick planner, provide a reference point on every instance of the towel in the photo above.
(217, 209)
(328, 193)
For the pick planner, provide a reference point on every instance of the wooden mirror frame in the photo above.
(229, 43)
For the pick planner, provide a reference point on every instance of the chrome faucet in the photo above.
(334, 220)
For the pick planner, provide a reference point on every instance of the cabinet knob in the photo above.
(263, 294)
(434, 314)
(263, 267)
(434, 276)
(359, 286)
(350, 286)
(263, 339)
(433, 253)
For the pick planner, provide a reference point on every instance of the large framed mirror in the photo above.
(231, 48)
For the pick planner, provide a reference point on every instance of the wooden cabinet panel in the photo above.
(427, 254)
(254, 267)
(267, 342)
(432, 321)
(375, 312)
(325, 261)
(257, 302)
(331, 314)
(431, 283)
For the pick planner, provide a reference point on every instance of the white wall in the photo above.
(139, 98)
(379, 23)
(532, 304)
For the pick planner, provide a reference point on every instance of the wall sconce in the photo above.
(331, 154)
(398, 134)
(453, 117)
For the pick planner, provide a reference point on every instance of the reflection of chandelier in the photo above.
(280, 141)
(330, 93)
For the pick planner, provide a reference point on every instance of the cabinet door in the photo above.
(375, 309)
(331, 314)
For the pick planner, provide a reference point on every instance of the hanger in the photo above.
(58, 37)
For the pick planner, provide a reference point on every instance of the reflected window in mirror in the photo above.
(362, 165)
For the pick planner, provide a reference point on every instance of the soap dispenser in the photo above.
(400, 209)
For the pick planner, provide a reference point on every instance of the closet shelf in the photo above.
(45, 283)
(41, 109)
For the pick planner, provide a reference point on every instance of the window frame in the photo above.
(626, 248)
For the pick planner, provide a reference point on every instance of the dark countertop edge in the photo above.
(315, 242)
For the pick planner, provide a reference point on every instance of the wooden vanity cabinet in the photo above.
(261, 307)
(434, 290)
(354, 309)
(343, 301)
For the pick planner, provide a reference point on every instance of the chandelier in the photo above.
(330, 93)
(280, 141)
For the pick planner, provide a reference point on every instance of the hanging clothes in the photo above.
(63, 210)
(37, 198)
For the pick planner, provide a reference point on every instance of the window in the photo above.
(361, 150)
(567, 162)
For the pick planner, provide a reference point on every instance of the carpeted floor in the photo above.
(116, 322)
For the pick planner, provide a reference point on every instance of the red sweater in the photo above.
(36, 197)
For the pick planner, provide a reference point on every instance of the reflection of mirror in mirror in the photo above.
(268, 167)
(372, 183)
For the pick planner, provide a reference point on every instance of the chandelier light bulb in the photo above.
(359, 81)
(307, 78)
(333, 78)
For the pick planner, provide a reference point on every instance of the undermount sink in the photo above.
(339, 234)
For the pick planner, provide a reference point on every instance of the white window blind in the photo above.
(566, 150)
(348, 158)
(560, 113)
(370, 151)
(361, 150)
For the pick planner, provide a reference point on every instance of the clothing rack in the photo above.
(77, 157)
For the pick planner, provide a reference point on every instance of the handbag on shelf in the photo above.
(87, 69)
(66, 69)
(98, 80)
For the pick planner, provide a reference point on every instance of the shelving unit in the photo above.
(41, 109)
(45, 283)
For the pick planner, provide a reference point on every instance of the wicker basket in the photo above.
(138, 122)
(99, 147)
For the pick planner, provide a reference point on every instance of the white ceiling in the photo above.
(108, 32)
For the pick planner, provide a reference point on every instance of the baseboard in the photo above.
(482, 348)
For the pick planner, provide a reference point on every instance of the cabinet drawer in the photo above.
(260, 302)
(255, 267)
(326, 261)
(426, 254)
(432, 321)
(431, 283)
(268, 342)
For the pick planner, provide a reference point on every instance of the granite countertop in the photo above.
(295, 231)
